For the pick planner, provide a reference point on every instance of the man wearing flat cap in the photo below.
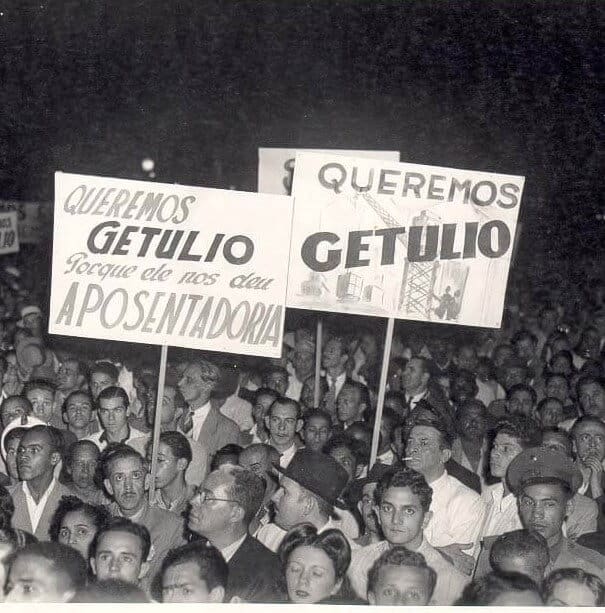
(544, 482)
(203, 422)
(310, 488)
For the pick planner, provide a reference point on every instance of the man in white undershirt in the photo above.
(283, 422)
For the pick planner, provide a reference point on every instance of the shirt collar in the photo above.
(28, 493)
(103, 437)
(229, 551)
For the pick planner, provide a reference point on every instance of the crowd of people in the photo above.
(487, 489)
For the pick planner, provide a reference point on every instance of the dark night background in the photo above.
(198, 85)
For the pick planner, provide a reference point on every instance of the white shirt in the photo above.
(286, 456)
(35, 509)
(458, 513)
(294, 388)
(387, 458)
(414, 400)
(229, 551)
(199, 417)
(101, 444)
(238, 410)
(448, 588)
(502, 512)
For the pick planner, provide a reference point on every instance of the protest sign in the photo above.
(401, 240)
(9, 234)
(276, 166)
(32, 219)
(169, 265)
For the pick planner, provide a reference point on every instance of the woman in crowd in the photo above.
(75, 523)
(501, 590)
(315, 565)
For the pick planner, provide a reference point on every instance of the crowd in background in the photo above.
(488, 486)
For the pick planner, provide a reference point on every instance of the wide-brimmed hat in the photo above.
(26, 422)
(319, 473)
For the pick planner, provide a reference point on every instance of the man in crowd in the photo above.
(38, 494)
(588, 435)
(544, 482)
(303, 362)
(41, 395)
(457, 511)
(173, 458)
(101, 376)
(402, 504)
(309, 491)
(81, 464)
(334, 359)
(113, 403)
(351, 404)
(121, 551)
(194, 573)
(13, 407)
(221, 511)
(71, 377)
(45, 572)
(276, 378)
(400, 577)
(283, 421)
(203, 422)
(317, 429)
(124, 478)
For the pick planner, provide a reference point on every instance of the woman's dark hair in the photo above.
(483, 591)
(68, 504)
(592, 582)
(332, 542)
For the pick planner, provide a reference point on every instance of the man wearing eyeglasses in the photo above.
(284, 422)
(221, 511)
(203, 422)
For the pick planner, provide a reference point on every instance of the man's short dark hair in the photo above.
(524, 335)
(121, 524)
(247, 489)
(446, 439)
(563, 434)
(265, 391)
(483, 591)
(522, 387)
(114, 452)
(77, 393)
(400, 556)
(589, 380)
(178, 443)
(15, 433)
(111, 591)
(405, 477)
(112, 392)
(519, 543)
(106, 368)
(221, 456)
(55, 439)
(28, 405)
(274, 370)
(523, 429)
(62, 559)
(318, 414)
(210, 564)
(362, 391)
(283, 401)
(39, 384)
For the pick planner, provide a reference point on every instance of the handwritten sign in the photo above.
(9, 234)
(169, 265)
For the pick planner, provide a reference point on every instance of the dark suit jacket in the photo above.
(464, 475)
(217, 431)
(255, 574)
(21, 519)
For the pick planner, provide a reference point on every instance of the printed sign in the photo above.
(401, 240)
(163, 264)
(33, 219)
(276, 166)
(9, 234)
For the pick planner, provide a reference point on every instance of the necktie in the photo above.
(187, 424)
(328, 402)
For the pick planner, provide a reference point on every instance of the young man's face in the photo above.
(348, 405)
(68, 375)
(100, 381)
(332, 355)
(589, 440)
(182, 583)
(543, 508)
(119, 556)
(11, 457)
(83, 466)
(505, 449)
(401, 585)
(42, 401)
(113, 414)
(261, 407)
(169, 410)
(196, 384)
(278, 382)
(168, 467)
(521, 403)
(366, 506)
(283, 424)
(303, 362)
(424, 449)
(345, 457)
(78, 411)
(557, 387)
(35, 455)
(316, 433)
(126, 483)
(551, 413)
(12, 408)
(592, 399)
(35, 579)
(414, 376)
(401, 516)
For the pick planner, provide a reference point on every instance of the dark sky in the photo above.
(198, 85)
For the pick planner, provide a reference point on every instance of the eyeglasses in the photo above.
(205, 496)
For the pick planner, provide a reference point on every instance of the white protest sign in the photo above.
(146, 262)
(9, 234)
(275, 165)
(401, 240)
(33, 219)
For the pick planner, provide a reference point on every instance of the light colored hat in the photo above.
(24, 357)
(30, 422)
(30, 309)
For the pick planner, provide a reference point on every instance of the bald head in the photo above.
(259, 458)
